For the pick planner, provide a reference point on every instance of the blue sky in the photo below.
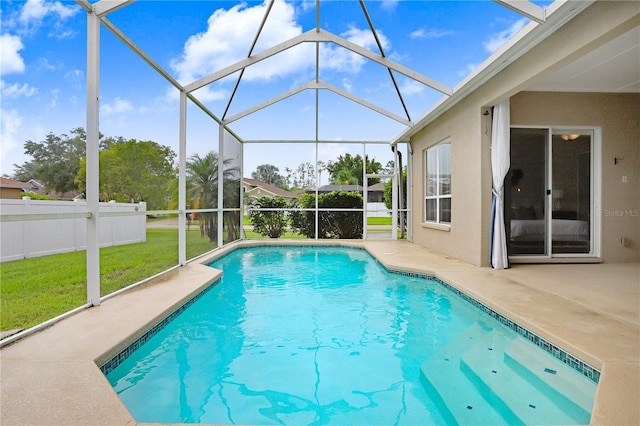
(43, 70)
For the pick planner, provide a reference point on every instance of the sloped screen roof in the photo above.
(328, 70)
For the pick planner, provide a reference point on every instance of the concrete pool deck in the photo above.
(590, 310)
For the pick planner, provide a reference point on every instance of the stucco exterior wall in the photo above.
(466, 237)
(469, 130)
(618, 116)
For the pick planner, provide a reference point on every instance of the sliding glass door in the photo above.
(549, 193)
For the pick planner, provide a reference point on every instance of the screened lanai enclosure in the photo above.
(304, 83)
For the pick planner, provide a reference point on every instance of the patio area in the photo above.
(591, 311)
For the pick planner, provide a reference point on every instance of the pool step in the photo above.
(569, 388)
(503, 387)
(462, 402)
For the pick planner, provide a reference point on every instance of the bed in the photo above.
(527, 233)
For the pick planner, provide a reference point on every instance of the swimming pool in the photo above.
(309, 335)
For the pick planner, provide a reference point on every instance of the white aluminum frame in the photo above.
(595, 189)
(96, 16)
(549, 19)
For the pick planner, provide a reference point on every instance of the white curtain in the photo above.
(500, 163)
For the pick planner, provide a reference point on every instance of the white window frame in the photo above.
(436, 149)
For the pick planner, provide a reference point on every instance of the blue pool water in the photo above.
(308, 335)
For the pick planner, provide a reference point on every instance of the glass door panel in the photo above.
(526, 193)
(379, 224)
(571, 191)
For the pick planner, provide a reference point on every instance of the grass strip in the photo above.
(37, 289)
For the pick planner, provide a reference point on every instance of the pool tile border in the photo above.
(577, 364)
(117, 359)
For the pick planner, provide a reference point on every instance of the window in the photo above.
(438, 183)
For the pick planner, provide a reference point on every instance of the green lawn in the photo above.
(249, 234)
(378, 221)
(37, 289)
(370, 221)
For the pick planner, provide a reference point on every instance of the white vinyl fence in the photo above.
(33, 238)
(377, 210)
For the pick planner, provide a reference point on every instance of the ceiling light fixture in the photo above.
(572, 137)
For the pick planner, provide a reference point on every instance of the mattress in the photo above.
(534, 229)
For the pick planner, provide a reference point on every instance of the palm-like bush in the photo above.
(202, 193)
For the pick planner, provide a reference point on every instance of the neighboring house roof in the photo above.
(376, 187)
(37, 185)
(38, 188)
(71, 195)
(272, 189)
(331, 188)
(10, 183)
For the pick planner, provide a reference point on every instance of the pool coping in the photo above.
(558, 353)
(53, 375)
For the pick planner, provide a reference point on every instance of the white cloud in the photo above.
(411, 87)
(118, 106)
(389, 4)
(44, 64)
(16, 90)
(75, 78)
(36, 10)
(229, 36)
(10, 57)
(331, 151)
(60, 32)
(365, 38)
(347, 84)
(209, 94)
(306, 5)
(430, 33)
(230, 33)
(54, 99)
(9, 128)
(340, 59)
(498, 39)
(468, 70)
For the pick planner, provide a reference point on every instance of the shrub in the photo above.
(271, 224)
(345, 225)
(35, 196)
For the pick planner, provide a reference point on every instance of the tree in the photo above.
(270, 174)
(402, 200)
(202, 193)
(345, 177)
(272, 224)
(303, 176)
(386, 194)
(56, 161)
(347, 170)
(390, 168)
(132, 171)
(306, 175)
(321, 166)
